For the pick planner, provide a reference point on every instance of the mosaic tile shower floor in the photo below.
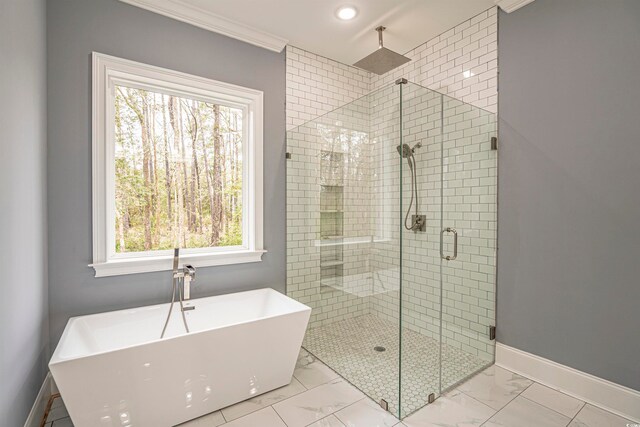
(347, 347)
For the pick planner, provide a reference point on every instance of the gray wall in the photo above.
(75, 29)
(569, 184)
(24, 328)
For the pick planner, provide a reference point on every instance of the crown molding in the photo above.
(202, 18)
(512, 5)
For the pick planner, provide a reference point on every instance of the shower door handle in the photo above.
(455, 244)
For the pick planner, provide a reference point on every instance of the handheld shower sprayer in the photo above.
(405, 151)
(418, 222)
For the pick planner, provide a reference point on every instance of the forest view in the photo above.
(178, 167)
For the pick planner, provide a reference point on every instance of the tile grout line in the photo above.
(551, 409)
(305, 387)
(328, 415)
(584, 404)
(324, 418)
(259, 409)
(357, 401)
(298, 394)
(279, 416)
(514, 398)
(495, 411)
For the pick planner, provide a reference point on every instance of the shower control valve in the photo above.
(419, 223)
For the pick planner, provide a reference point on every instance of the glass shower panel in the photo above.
(469, 218)
(421, 195)
(343, 250)
(391, 240)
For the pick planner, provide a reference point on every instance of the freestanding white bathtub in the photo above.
(112, 369)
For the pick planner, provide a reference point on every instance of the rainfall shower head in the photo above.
(382, 60)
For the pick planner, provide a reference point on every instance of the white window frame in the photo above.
(109, 71)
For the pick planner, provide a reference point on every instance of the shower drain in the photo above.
(379, 348)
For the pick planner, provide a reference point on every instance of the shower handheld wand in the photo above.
(418, 222)
(182, 276)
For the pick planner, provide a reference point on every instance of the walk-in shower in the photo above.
(394, 311)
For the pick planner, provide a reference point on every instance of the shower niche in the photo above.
(374, 280)
(331, 220)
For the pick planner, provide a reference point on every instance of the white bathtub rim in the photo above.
(57, 360)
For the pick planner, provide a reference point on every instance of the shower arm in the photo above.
(380, 29)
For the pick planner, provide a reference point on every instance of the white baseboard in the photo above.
(37, 410)
(610, 396)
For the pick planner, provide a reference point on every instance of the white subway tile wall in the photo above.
(461, 63)
(330, 156)
(317, 85)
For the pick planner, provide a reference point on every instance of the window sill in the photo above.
(117, 267)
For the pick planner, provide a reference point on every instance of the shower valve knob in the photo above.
(419, 223)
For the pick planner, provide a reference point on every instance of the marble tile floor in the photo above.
(318, 397)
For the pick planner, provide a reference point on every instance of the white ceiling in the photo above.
(313, 26)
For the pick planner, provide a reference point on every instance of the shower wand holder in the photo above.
(419, 223)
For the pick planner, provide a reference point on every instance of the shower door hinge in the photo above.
(494, 143)
(287, 156)
(402, 81)
(492, 333)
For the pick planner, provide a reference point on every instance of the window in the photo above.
(177, 162)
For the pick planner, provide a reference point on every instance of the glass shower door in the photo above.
(468, 239)
(421, 138)
(448, 256)
(343, 251)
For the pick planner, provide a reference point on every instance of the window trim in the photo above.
(108, 71)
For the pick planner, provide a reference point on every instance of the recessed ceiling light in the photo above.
(346, 13)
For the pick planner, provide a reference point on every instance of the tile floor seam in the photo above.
(316, 421)
(335, 412)
(279, 416)
(473, 398)
(566, 393)
(336, 380)
(305, 387)
(533, 401)
(309, 389)
(290, 397)
(507, 404)
(514, 398)
(321, 362)
(258, 409)
(545, 406)
(330, 415)
(520, 393)
(580, 410)
(351, 404)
